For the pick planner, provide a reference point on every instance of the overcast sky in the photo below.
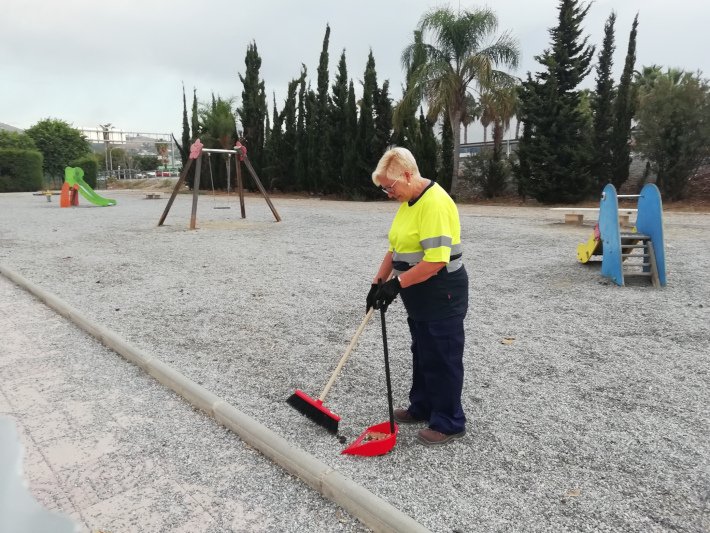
(91, 62)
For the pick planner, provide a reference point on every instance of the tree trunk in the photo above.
(465, 134)
(485, 134)
(455, 120)
(497, 135)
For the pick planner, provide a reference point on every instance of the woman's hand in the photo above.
(386, 294)
(370, 302)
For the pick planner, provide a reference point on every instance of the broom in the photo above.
(314, 409)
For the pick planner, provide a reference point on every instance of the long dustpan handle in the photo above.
(387, 368)
(343, 359)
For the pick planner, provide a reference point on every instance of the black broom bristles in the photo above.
(314, 410)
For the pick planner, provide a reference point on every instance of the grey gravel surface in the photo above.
(116, 451)
(595, 418)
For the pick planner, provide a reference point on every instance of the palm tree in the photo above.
(649, 77)
(499, 107)
(463, 55)
(487, 112)
(470, 114)
(162, 149)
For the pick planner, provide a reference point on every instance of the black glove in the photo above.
(387, 293)
(371, 297)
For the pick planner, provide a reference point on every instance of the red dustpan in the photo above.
(380, 438)
(377, 440)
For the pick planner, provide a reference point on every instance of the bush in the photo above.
(90, 167)
(19, 141)
(673, 131)
(488, 171)
(20, 170)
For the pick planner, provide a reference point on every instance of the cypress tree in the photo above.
(313, 136)
(351, 159)
(338, 124)
(624, 111)
(194, 134)
(184, 149)
(366, 129)
(301, 136)
(185, 129)
(195, 118)
(288, 145)
(425, 148)
(602, 109)
(383, 119)
(253, 110)
(273, 163)
(555, 151)
(321, 122)
(446, 168)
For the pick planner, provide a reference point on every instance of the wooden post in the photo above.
(196, 191)
(655, 281)
(240, 186)
(179, 184)
(258, 184)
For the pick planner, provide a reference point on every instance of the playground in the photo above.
(593, 416)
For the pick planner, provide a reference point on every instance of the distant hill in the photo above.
(7, 127)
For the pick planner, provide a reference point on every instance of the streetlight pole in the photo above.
(107, 143)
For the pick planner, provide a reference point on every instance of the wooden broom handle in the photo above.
(349, 349)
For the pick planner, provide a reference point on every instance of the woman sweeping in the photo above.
(425, 254)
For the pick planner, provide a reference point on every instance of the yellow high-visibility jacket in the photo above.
(428, 229)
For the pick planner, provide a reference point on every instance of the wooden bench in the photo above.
(152, 195)
(575, 215)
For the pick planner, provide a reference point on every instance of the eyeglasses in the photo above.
(388, 190)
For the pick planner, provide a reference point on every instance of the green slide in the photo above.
(76, 176)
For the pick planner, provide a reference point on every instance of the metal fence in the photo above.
(124, 174)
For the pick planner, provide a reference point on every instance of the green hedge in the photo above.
(90, 167)
(20, 170)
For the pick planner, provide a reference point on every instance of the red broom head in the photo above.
(315, 410)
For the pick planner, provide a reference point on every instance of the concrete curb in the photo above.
(371, 510)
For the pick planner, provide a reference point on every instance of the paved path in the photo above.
(112, 448)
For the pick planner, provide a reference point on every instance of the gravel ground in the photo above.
(107, 445)
(596, 418)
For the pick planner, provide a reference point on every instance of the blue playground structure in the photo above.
(621, 249)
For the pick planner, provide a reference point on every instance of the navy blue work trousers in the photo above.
(437, 382)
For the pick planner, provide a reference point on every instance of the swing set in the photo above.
(229, 169)
(196, 151)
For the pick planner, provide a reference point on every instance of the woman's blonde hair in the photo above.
(393, 165)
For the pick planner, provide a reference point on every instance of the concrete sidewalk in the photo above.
(116, 451)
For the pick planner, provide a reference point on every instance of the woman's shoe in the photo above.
(402, 416)
(431, 437)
